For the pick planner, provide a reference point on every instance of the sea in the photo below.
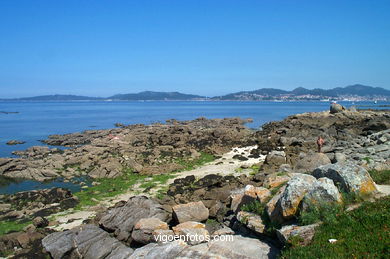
(34, 121)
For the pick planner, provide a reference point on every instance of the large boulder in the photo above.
(232, 247)
(348, 176)
(322, 191)
(144, 229)
(295, 190)
(161, 251)
(193, 211)
(309, 162)
(87, 241)
(121, 220)
(335, 108)
(273, 207)
(273, 160)
(275, 180)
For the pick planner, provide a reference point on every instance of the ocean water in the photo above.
(34, 121)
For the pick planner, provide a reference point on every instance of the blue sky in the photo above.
(100, 48)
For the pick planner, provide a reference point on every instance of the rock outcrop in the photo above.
(88, 241)
(148, 149)
(122, 219)
(350, 177)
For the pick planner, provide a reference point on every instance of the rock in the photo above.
(275, 180)
(305, 234)
(87, 241)
(339, 157)
(144, 228)
(223, 231)
(335, 108)
(193, 211)
(40, 222)
(274, 160)
(295, 190)
(15, 142)
(193, 232)
(121, 220)
(273, 207)
(349, 176)
(310, 162)
(322, 191)
(163, 235)
(260, 193)
(251, 221)
(161, 251)
(241, 247)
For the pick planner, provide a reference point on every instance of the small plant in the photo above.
(255, 207)
(325, 212)
(367, 159)
(380, 177)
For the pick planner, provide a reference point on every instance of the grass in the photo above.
(380, 177)
(12, 226)
(326, 212)
(107, 187)
(110, 187)
(192, 164)
(361, 233)
(156, 180)
(259, 209)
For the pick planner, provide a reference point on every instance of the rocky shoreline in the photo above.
(260, 205)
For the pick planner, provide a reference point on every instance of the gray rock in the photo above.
(193, 211)
(87, 241)
(349, 176)
(305, 233)
(251, 221)
(193, 232)
(161, 251)
(121, 220)
(335, 108)
(242, 248)
(322, 191)
(144, 229)
(310, 162)
(339, 157)
(295, 190)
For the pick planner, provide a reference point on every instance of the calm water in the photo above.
(36, 120)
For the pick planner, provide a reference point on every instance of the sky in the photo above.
(213, 47)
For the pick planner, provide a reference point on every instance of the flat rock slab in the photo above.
(88, 241)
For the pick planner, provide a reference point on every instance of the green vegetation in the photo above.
(380, 177)
(255, 207)
(259, 208)
(8, 226)
(361, 233)
(367, 159)
(276, 189)
(108, 187)
(156, 180)
(326, 212)
(192, 164)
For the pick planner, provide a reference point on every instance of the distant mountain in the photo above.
(311, 94)
(149, 95)
(56, 97)
(356, 92)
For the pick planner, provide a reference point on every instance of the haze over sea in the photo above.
(37, 120)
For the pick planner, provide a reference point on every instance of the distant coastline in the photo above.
(349, 93)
